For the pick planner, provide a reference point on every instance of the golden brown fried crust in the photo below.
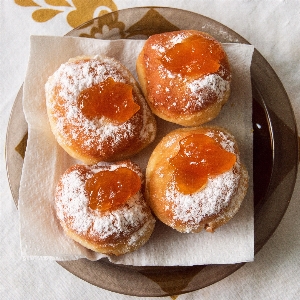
(205, 209)
(181, 99)
(98, 139)
(115, 231)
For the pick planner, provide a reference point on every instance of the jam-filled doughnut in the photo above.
(96, 110)
(185, 76)
(195, 179)
(102, 207)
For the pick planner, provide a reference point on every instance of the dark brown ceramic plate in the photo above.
(275, 154)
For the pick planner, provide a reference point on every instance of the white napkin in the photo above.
(40, 231)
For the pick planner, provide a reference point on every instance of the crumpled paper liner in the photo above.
(41, 234)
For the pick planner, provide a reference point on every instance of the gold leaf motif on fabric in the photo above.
(26, 3)
(44, 14)
(76, 12)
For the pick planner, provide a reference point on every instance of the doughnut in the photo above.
(97, 111)
(195, 179)
(185, 76)
(102, 207)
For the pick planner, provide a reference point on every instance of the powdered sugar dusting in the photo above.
(171, 141)
(141, 232)
(209, 84)
(175, 92)
(158, 48)
(212, 199)
(71, 124)
(176, 39)
(72, 208)
(226, 141)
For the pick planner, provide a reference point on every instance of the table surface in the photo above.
(275, 273)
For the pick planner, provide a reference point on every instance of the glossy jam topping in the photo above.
(199, 158)
(194, 56)
(110, 99)
(108, 190)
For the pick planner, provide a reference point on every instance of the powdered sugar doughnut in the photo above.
(185, 76)
(195, 179)
(96, 110)
(102, 207)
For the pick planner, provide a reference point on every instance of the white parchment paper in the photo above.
(40, 231)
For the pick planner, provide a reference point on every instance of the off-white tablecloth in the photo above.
(273, 27)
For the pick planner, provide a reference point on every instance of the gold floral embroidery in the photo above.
(44, 14)
(26, 3)
(78, 11)
(58, 2)
(85, 10)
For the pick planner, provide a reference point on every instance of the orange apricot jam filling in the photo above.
(108, 190)
(194, 56)
(199, 158)
(110, 99)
